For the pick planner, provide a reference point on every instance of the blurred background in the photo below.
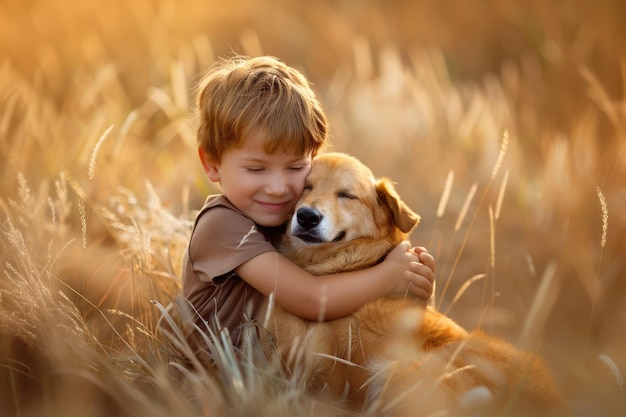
(502, 122)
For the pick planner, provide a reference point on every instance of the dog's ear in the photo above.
(405, 218)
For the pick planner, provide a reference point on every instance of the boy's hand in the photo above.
(415, 271)
(421, 275)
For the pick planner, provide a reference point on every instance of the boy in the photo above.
(260, 126)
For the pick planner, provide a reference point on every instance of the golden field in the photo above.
(503, 123)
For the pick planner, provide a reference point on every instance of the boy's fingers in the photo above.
(420, 286)
(423, 271)
(428, 260)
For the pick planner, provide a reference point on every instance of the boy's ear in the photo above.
(210, 167)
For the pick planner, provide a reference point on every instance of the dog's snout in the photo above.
(308, 217)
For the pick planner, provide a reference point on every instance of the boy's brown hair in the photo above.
(240, 94)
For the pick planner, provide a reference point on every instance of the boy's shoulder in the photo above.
(217, 208)
(215, 200)
(217, 225)
(219, 200)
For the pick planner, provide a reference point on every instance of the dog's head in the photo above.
(342, 206)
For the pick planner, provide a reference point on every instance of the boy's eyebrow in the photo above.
(302, 159)
(253, 158)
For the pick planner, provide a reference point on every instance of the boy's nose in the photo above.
(277, 185)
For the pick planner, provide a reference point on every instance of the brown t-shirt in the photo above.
(222, 239)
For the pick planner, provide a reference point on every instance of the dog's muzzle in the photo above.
(308, 227)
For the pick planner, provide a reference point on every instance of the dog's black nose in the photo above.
(308, 218)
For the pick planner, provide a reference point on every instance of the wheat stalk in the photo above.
(465, 208)
(542, 303)
(492, 238)
(441, 208)
(503, 147)
(94, 154)
(492, 246)
(83, 222)
(605, 216)
(617, 375)
(463, 288)
(445, 195)
(505, 180)
(605, 228)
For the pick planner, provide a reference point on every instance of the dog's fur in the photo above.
(392, 353)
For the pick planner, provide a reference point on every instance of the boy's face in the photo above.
(264, 186)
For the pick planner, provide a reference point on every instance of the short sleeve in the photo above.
(222, 240)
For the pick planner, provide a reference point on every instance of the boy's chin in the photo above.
(267, 221)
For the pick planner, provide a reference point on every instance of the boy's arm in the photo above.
(329, 296)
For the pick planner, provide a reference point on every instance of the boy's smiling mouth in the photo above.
(273, 206)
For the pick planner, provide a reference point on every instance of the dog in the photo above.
(393, 353)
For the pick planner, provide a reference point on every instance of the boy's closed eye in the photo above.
(297, 168)
(260, 169)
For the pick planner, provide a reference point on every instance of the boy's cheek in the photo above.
(302, 183)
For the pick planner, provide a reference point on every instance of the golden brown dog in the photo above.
(392, 353)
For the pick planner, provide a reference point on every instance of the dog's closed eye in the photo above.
(345, 194)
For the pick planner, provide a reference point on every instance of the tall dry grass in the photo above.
(99, 184)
